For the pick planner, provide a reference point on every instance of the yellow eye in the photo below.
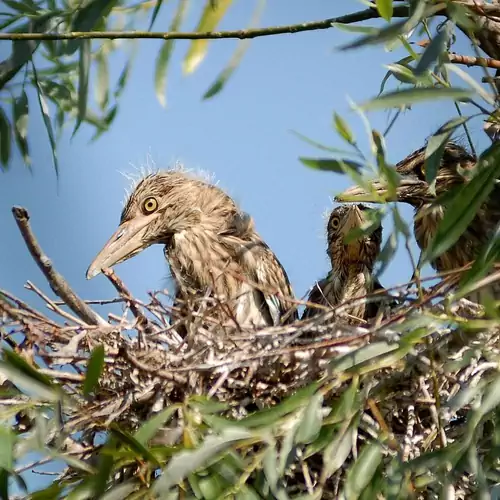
(149, 205)
(334, 223)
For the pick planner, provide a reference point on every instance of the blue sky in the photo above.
(242, 135)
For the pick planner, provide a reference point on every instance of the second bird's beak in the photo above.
(128, 240)
(379, 191)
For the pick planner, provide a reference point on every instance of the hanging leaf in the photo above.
(20, 113)
(94, 369)
(385, 8)
(83, 81)
(102, 86)
(46, 120)
(343, 129)
(87, 18)
(432, 52)
(5, 139)
(406, 97)
(209, 20)
(163, 57)
(236, 58)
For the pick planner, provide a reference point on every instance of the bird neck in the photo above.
(353, 279)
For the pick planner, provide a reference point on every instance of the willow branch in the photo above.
(355, 17)
(58, 284)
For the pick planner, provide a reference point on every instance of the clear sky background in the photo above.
(242, 135)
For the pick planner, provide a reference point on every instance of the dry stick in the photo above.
(58, 284)
(142, 321)
(474, 61)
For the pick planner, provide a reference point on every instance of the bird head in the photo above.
(413, 187)
(162, 205)
(346, 248)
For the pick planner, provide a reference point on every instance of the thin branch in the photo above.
(474, 61)
(355, 17)
(142, 321)
(58, 284)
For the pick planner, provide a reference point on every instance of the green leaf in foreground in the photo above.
(186, 462)
(83, 81)
(387, 34)
(94, 369)
(385, 8)
(362, 471)
(463, 207)
(5, 138)
(343, 128)
(331, 165)
(406, 97)
(432, 52)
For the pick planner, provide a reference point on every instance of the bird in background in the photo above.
(352, 261)
(429, 211)
(212, 248)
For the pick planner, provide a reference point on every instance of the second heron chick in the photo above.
(352, 259)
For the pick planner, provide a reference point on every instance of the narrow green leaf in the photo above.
(385, 8)
(83, 81)
(489, 254)
(20, 363)
(406, 97)
(102, 87)
(46, 120)
(94, 369)
(208, 22)
(354, 28)
(148, 429)
(87, 18)
(337, 451)
(343, 129)
(402, 73)
(331, 165)
(5, 138)
(165, 53)
(28, 384)
(129, 440)
(237, 56)
(464, 205)
(20, 113)
(4, 484)
(479, 89)
(436, 145)
(187, 461)
(8, 439)
(23, 7)
(310, 423)
(121, 491)
(432, 52)
(387, 34)
(361, 472)
(361, 355)
(323, 147)
(156, 11)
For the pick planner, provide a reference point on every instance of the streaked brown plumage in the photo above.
(414, 189)
(210, 244)
(352, 264)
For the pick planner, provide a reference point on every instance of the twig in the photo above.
(474, 61)
(143, 323)
(58, 284)
(30, 286)
(355, 17)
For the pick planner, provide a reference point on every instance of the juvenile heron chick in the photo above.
(429, 212)
(211, 246)
(352, 262)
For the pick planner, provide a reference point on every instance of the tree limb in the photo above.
(58, 284)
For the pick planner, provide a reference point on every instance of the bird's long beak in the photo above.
(355, 220)
(127, 241)
(379, 191)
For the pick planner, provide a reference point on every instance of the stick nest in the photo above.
(407, 390)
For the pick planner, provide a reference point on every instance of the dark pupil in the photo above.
(149, 205)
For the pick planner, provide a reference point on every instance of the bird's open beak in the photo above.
(379, 191)
(128, 240)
